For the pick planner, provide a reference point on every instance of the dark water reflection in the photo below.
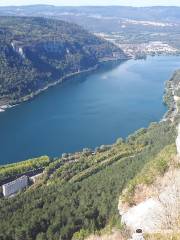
(88, 110)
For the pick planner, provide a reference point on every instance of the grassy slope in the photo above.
(156, 167)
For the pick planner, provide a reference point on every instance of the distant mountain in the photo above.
(137, 13)
(108, 18)
(37, 52)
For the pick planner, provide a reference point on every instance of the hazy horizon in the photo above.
(134, 3)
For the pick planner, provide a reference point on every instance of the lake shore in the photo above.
(4, 105)
(171, 97)
(114, 101)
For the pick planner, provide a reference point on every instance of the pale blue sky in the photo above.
(93, 2)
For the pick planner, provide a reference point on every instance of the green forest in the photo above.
(78, 193)
(77, 197)
(37, 52)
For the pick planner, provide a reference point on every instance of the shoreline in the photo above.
(8, 105)
(172, 108)
(171, 99)
(168, 115)
(3, 107)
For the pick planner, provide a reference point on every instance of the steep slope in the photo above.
(37, 52)
(145, 203)
(151, 201)
(78, 193)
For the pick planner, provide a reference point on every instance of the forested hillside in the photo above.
(129, 24)
(36, 52)
(76, 194)
(80, 192)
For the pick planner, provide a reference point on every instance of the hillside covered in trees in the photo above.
(37, 52)
(78, 194)
(126, 25)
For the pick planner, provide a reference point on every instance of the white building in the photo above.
(15, 186)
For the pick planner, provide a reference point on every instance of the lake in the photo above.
(88, 110)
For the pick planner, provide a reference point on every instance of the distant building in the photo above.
(15, 186)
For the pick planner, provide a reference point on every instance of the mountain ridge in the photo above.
(39, 52)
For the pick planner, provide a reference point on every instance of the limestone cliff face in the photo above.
(156, 207)
(160, 211)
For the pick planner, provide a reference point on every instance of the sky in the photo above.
(138, 3)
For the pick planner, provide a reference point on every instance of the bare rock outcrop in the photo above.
(159, 212)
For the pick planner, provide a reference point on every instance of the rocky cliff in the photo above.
(151, 201)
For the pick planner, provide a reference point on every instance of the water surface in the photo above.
(88, 110)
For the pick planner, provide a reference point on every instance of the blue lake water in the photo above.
(88, 110)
